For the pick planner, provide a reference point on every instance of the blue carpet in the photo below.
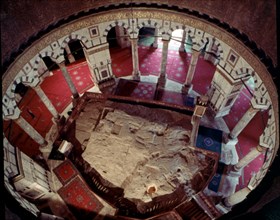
(211, 139)
(215, 182)
(189, 101)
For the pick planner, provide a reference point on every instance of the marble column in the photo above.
(162, 76)
(46, 101)
(155, 43)
(187, 87)
(70, 56)
(253, 154)
(237, 197)
(30, 131)
(135, 60)
(182, 46)
(68, 79)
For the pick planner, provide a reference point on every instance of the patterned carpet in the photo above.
(136, 89)
(79, 198)
(57, 89)
(176, 68)
(215, 182)
(65, 172)
(175, 98)
(211, 139)
(58, 92)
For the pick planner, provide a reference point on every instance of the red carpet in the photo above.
(80, 199)
(57, 89)
(58, 92)
(249, 137)
(149, 60)
(203, 76)
(65, 172)
(37, 115)
(176, 69)
(121, 61)
(177, 65)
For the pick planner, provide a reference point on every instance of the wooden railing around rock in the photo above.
(115, 195)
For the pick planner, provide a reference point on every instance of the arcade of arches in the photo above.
(118, 132)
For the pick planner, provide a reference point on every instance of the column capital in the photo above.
(195, 53)
(61, 64)
(166, 37)
(260, 103)
(266, 142)
(10, 108)
(60, 60)
(133, 39)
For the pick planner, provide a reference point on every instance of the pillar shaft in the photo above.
(135, 60)
(164, 58)
(68, 79)
(253, 154)
(70, 56)
(182, 46)
(46, 101)
(155, 43)
(162, 76)
(237, 197)
(192, 67)
(246, 118)
(30, 131)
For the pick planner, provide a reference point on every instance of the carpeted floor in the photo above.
(80, 199)
(211, 139)
(141, 90)
(55, 87)
(214, 184)
(249, 137)
(65, 172)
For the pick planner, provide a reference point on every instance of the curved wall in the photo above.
(167, 21)
(23, 19)
(52, 45)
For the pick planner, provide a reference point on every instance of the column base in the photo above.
(182, 49)
(186, 89)
(75, 101)
(161, 82)
(71, 58)
(229, 155)
(155, 45)
(136, 78)
(136, 75)
(227, 139)
(232, 171)
(56, 120)
(223, 208)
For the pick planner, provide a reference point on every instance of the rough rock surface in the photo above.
(135, 147)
